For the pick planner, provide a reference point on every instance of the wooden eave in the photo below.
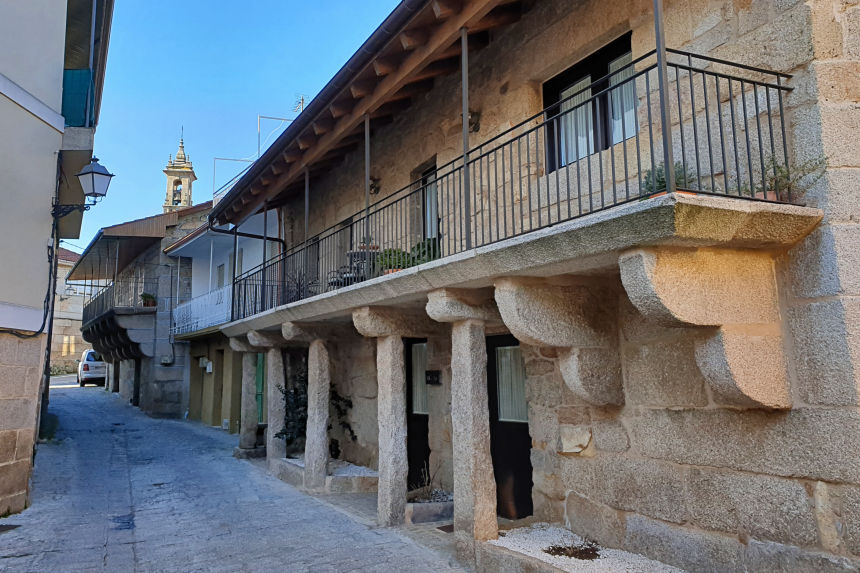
(426, 47)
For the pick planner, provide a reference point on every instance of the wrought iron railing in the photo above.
(210, 309)
(599, 147)
(125, 294)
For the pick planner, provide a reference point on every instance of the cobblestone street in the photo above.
(119, 491)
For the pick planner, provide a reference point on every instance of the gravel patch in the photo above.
(533, 540)
(340, 468)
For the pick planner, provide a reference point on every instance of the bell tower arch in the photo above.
(180, 177)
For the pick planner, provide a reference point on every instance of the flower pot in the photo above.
(390, 271)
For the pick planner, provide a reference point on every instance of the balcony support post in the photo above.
(211, 255)
(464, 65)
(663, 83)
(263, 271)
(235, 299)
(116, 262)
(307, 219)
(366, 238)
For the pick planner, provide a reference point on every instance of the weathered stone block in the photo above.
(8, 441)
(769, 557)
(595, 521)
(683, 547)
(664, 373)
(765, 507)
(845, 501)
(543, 425)
(24, 445)
(609, 436)
(827, 351)
(805, 442)
(14, 477)
(644, 486)
(17, 413)
(573, 440)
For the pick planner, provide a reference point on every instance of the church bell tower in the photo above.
(180, 176)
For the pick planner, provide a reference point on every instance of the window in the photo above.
(431, 205)
(419, 378)
(94, 356)
(511, 381)
(220, 275)
(587, 123)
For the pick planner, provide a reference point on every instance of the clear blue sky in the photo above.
(210, 66)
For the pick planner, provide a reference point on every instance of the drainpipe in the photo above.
(663, 82)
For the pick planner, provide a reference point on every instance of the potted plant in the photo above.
(147, 299)
(392, 260)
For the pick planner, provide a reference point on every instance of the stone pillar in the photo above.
(391, 415)
(389, 326)
(248, 420)
(275, 447)
(474, 481)
(316, 435)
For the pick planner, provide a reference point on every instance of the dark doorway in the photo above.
(417, 414)
(135, 389)
(510, 443)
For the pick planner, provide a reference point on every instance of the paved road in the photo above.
(118, 491)
(64, 380)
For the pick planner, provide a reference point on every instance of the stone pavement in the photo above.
(119, 491)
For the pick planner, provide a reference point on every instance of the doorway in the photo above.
(510, 443)
(417, 414)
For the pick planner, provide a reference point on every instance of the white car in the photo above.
(91, 368)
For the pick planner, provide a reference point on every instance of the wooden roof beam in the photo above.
(437, 68)
(306, 141)
(340, 108)
(322, 126)
(444, 9)
(291, 155)
(385, 65)
(501, 16)
(411, 90)
(362, 88)
(414, 38)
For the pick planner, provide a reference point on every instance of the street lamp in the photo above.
(94, 179)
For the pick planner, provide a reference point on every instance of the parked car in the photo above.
(91, 368)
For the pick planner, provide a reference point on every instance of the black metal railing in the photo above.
(126, 294)
(599, 147)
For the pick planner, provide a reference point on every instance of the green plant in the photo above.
(295, 407)
(147, 299)
(780, 180)
(654, 180)
(392, 259)
(424, 251)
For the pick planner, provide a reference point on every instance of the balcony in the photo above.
(122, 296)
(597, 149)
(205, 311)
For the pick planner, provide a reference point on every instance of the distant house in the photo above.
(129, 320)
(67, 344)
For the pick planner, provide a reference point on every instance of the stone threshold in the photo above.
(342, 477)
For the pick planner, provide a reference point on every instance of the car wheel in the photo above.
(81, 382)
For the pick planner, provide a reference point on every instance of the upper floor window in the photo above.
(594, 110)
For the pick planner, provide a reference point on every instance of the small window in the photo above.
(511, 380)
(582, 122)
(419, 378)
(220, 275)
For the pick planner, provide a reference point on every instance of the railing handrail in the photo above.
(550, 118)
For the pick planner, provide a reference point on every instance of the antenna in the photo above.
(300, 103)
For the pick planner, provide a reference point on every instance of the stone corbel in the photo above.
(732, 291)
(266, 339)
(378, 321)
(456, 305)
(241, 344)
(579, 318)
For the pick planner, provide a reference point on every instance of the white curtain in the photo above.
(577, 127)
(419, 381)
(431, 210)
(511, 384)
(622, 99)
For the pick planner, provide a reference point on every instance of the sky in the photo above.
(209, 67)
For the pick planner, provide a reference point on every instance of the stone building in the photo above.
(52, 69)
(67, 344)
(589, 261)
(129, 321)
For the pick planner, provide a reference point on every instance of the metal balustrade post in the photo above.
(305, 286)
(467, 200)
(366, 240)
(663, 87)
(263, 299)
